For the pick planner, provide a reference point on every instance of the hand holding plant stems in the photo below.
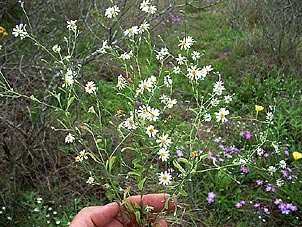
(146, 151)
(153, 152)
(112, 214)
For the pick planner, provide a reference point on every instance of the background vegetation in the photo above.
(256, 45)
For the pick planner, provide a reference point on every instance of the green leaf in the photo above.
(141, 183)
(183, 192)
(137, 216)
(111, 162)
(70, 101)
(178, 166)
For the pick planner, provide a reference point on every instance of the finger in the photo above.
(161, 223)
(96, 216)
(157, 201)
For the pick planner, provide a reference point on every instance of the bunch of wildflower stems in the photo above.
(155, 154)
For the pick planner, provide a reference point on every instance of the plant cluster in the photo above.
(152, 146)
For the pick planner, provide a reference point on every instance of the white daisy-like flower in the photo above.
(143, 27)
(271, 169)
(215, 102)
(194, 72)
(279, 182)
(152, 9)
(153, 114)
(20, 31)
(205, 71)
(218, 88)
(168, 81)
(164, 141)
(83, 154)
(228, 99)
(176, 69)
(69, 138)
(163, 154)
(171, 103)
(282, 164)
(144, 5)
(151, 131)
(145, 85)
(220, 116)
(90, 87)
(162, 54)
(112, 11)
(207, 117)
(121, 82)
(72, 25)
(164, 98)
(130, 32)
(164, 178)
(56, 48)
(152, 79)
(195, 55)
(68, 80)
(129, 122)
(143, 111)
(90, 180)
(104, 47)
(126, 56)
(181, 59)
(186, 43)
(91, 110)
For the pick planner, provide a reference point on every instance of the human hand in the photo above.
(107, 216)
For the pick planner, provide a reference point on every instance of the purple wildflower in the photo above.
(282, 96)
(247, 134)
(211, 197)
(123, 74)
(286, 152)
(178, 153)
(277, 201)
(259, 182)
(270, 188)
(265, 209)
(157, 70)
(198, 135)
(240, 204)
(138, 104)
(217, 140)
(241, 133)
(244, 169)
(256, 205)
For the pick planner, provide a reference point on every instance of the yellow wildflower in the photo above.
(193, 154)
(259, 108)
(297, 155)
(119, 112)
(2, 29)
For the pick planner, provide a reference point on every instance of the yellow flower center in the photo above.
(194, 72)
(222, 115)
(164, 178)
(163, 140)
